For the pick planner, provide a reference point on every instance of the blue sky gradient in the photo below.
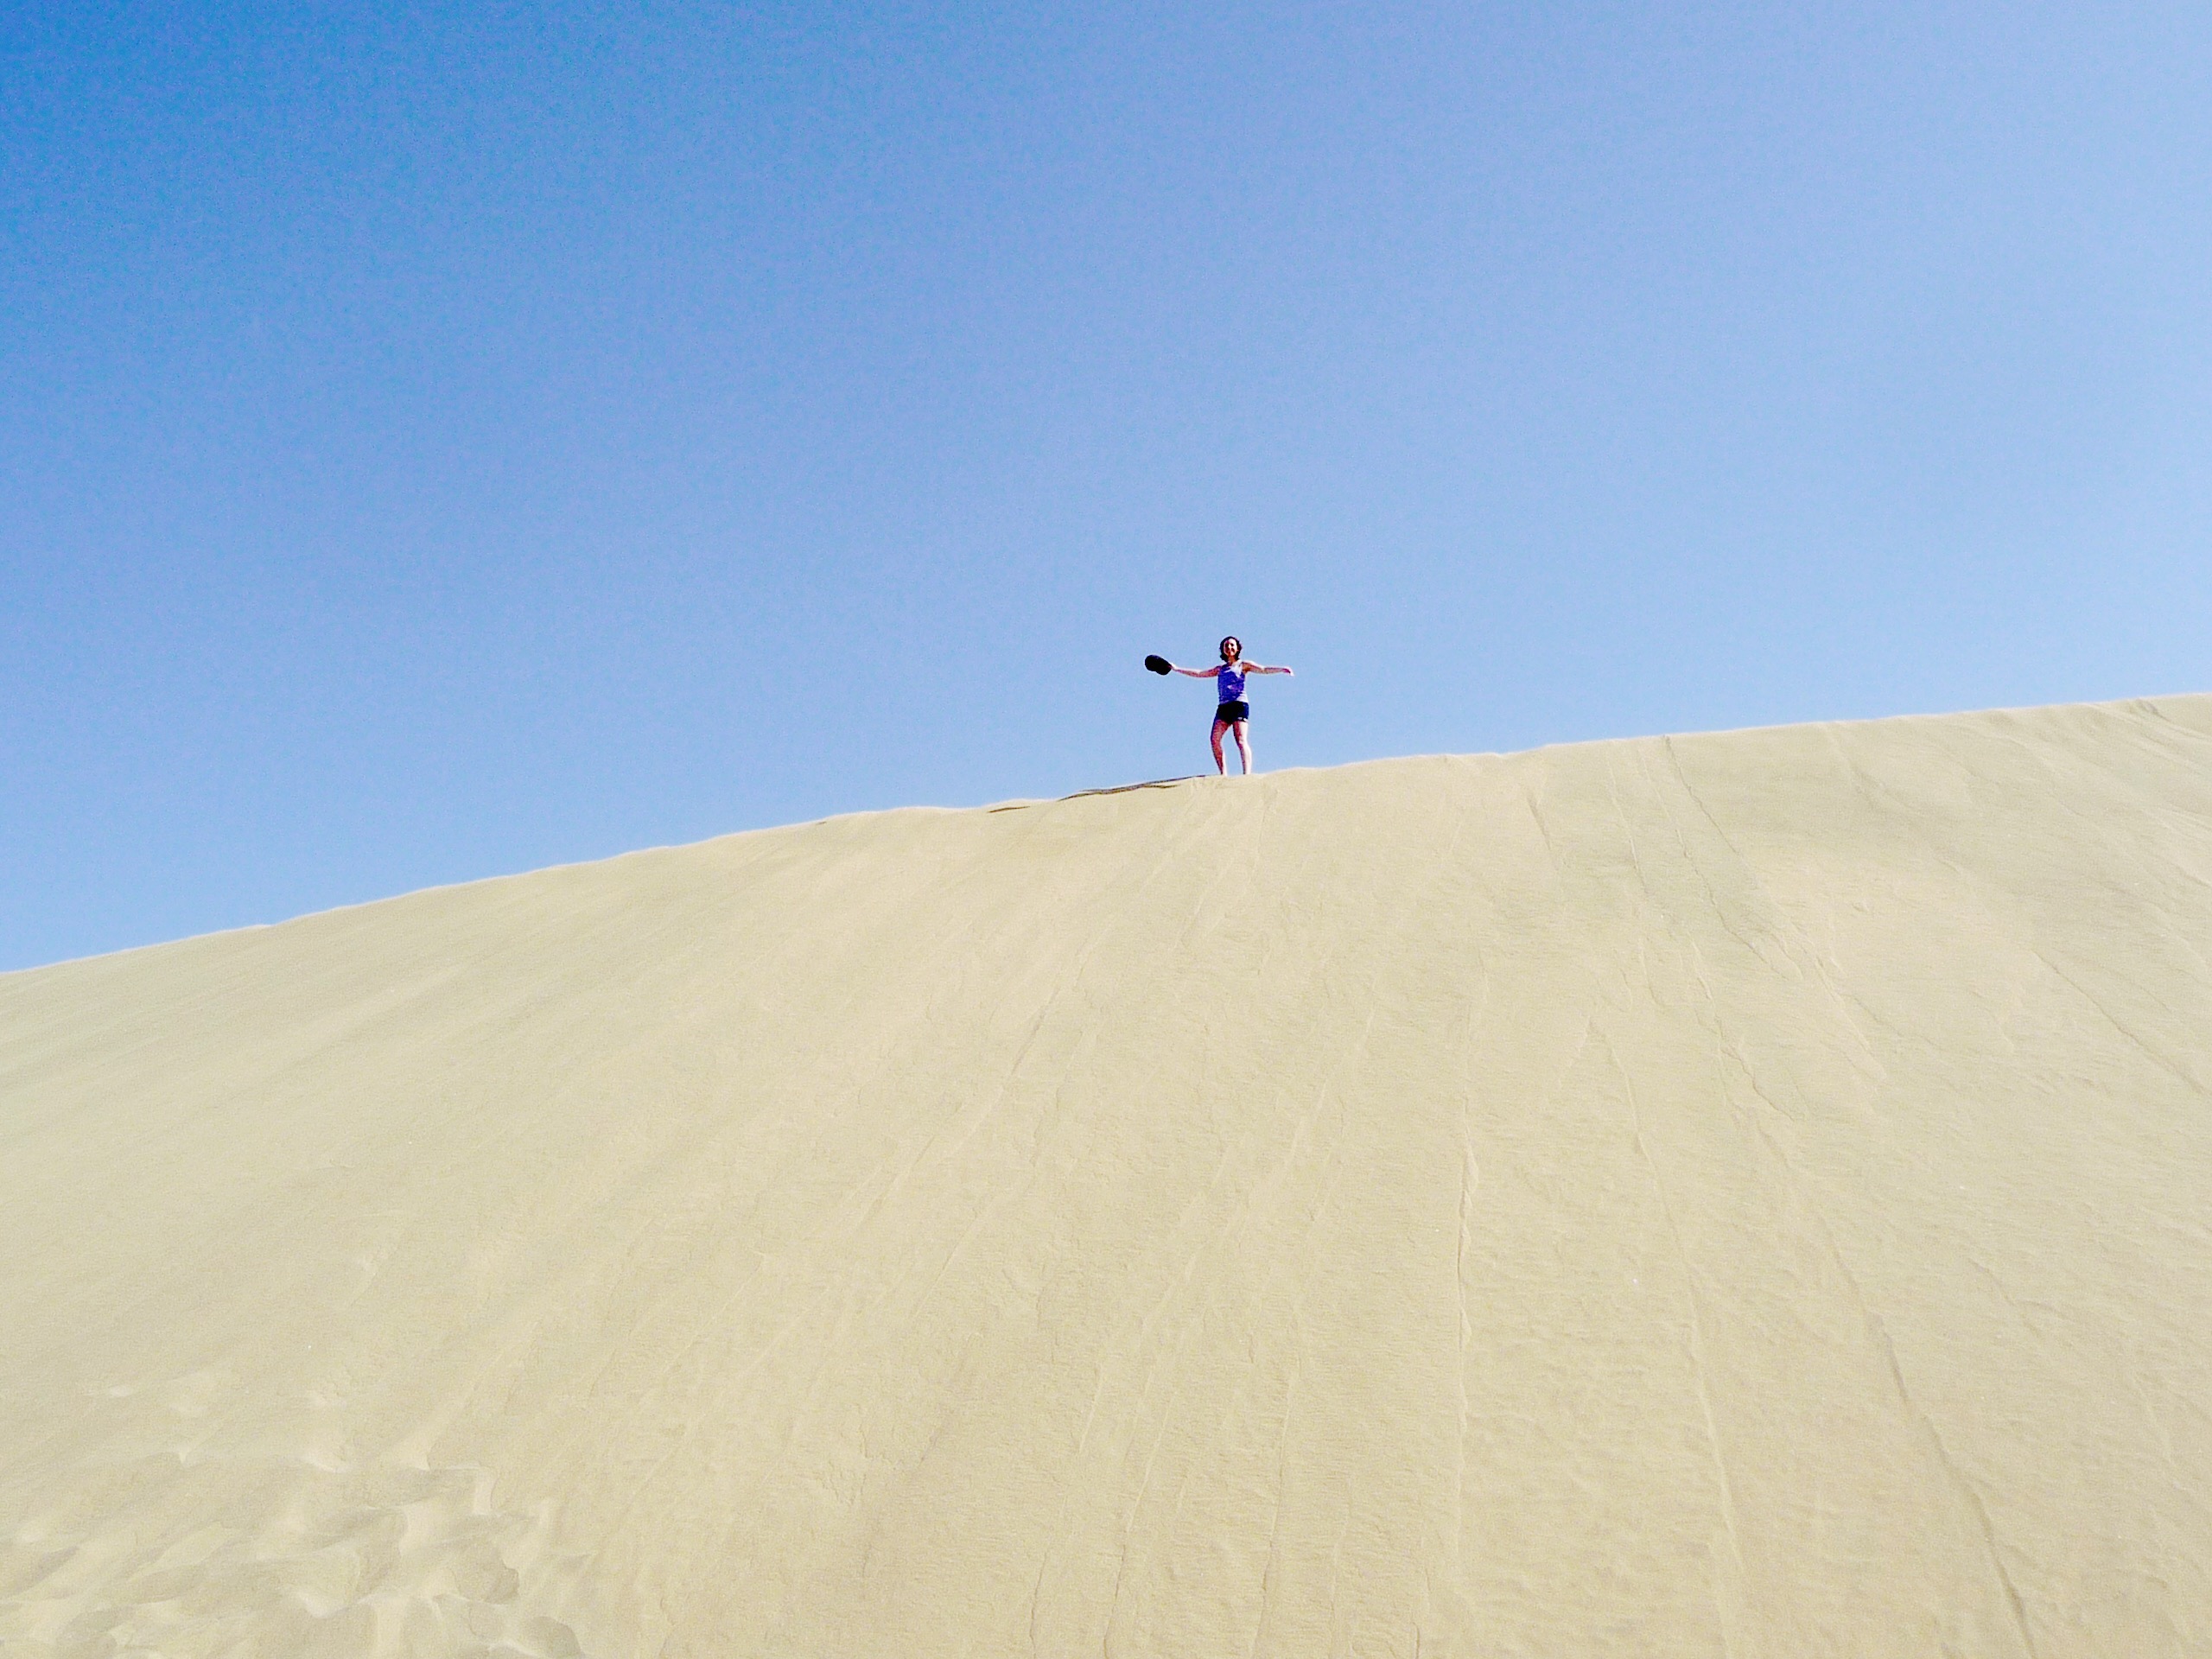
(448, 440)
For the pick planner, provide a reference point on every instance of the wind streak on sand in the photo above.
(1738, 1194)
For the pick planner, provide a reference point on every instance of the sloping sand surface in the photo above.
(1743, 1195)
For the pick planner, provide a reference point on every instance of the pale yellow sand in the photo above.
(1735, 1195)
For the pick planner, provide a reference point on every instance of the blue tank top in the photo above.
(1232, 682)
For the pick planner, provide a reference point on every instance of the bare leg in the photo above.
(1244, 747)
(1219, 764)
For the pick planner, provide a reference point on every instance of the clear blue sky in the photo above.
(444, 440)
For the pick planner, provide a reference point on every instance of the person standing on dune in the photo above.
(1231, 713)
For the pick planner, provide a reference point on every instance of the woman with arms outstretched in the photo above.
(1231, 713)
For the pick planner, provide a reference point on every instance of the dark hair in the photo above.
(1227, 640)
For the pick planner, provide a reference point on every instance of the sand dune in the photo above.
(1735, 1195)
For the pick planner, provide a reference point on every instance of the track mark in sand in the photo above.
(1274, 1521)
(1723, 1613)
(1470, 1178)
(1965, 1488)
(1879, 1336)
(2164, 1062)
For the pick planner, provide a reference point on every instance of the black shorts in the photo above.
(1230, 712)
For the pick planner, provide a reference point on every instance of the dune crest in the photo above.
(1739, 1194)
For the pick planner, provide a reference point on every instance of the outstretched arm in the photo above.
(1261, 668)
(1198, 673)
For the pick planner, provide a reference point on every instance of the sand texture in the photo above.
(1738, 1195)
